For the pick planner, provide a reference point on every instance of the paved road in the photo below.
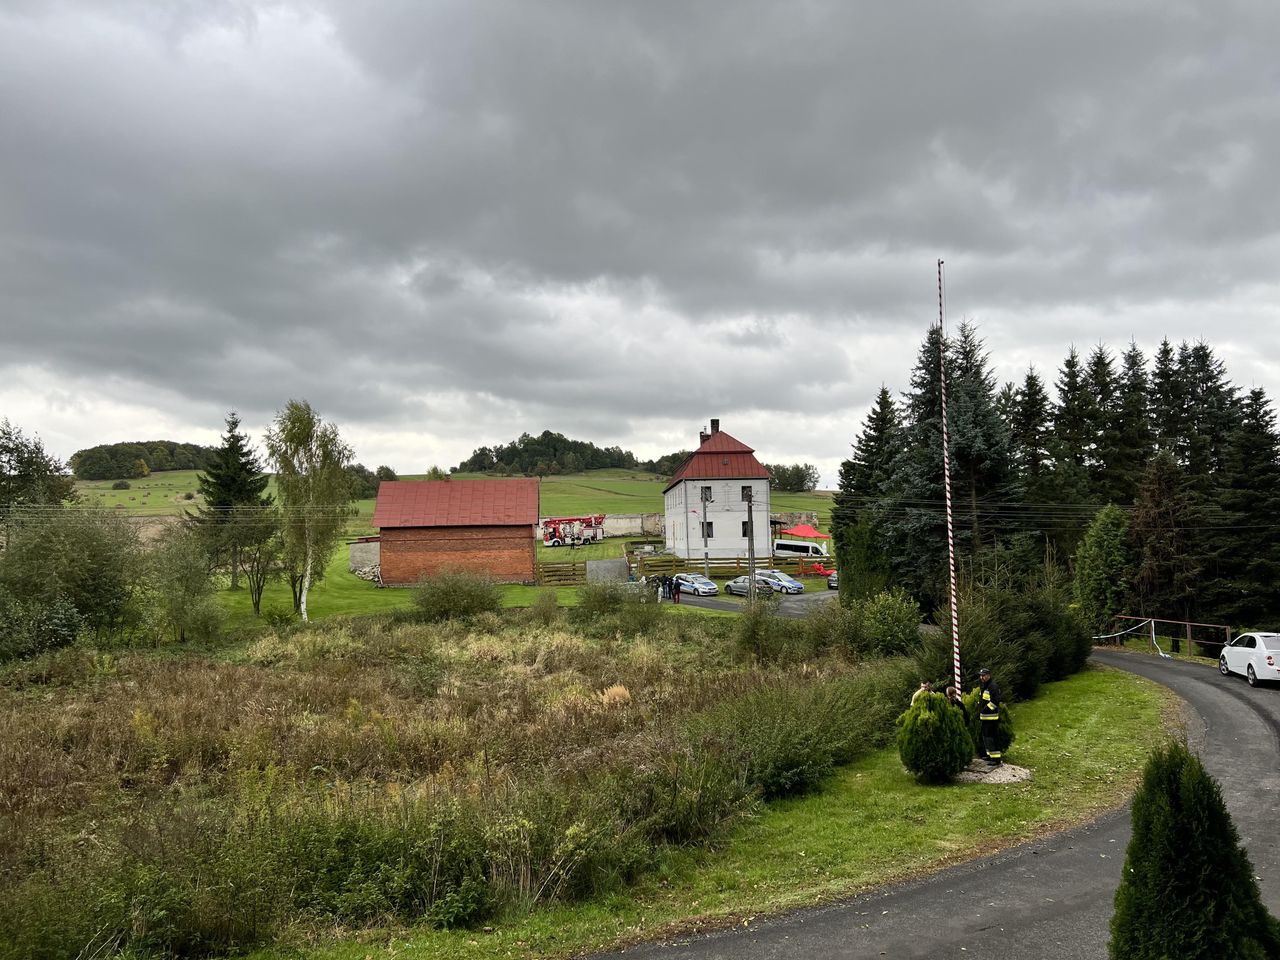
(792, 607)
(1050, 898)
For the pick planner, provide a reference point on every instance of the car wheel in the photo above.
(1222, 666)
(1253, 677)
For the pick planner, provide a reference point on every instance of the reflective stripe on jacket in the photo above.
(989, 702)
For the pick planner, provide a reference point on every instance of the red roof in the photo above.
(456, 503)
(721, 457)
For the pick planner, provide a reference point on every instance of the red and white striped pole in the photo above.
(946, 482)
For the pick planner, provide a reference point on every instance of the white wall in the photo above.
(727, 513)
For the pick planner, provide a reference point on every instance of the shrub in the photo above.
(932, 739)
(610, 608)
(32, 627)
(545, 609)
(758, 632)
(833, 626)
(1188, 888)
(121, 485)
(890, 622)
(456, 595)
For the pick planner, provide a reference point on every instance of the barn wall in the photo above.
(504, 553)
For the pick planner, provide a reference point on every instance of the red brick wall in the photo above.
(505, 553)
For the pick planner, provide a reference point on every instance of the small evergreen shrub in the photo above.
(1188, 888)
(456, 595)
(933, 741)
(121, 485)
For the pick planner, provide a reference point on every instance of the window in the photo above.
(708, 530)
(745, 531)
(706, 494)
(1250, 643)
(746, 493)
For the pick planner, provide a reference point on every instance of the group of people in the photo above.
(665, 587)
(988, 713)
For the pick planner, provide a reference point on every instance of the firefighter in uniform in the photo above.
(989, 716)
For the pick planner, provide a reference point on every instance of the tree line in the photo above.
(130, 461)
(1184, 461)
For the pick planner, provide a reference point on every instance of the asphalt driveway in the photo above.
(1050, 898)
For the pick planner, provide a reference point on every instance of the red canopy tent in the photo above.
(804, 530)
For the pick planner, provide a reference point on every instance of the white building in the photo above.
(713, 486)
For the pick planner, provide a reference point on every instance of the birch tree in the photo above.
(311, 462)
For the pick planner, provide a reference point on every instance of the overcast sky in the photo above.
(445, 223)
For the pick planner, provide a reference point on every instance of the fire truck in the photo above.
(572, 531)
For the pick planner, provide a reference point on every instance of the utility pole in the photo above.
(751, 547)
(706, 562)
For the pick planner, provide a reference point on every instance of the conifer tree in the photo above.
(1168, 403)
(1136, 444)
(1071, 428)
(1162, 534)
(1245, 586)
(232, 481)
(859, 501)
(1101, 417)
(1188, 889)
(1102, 568)
(1030, 436)
(1212, 412)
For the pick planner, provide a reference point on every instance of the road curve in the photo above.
(1048, 898)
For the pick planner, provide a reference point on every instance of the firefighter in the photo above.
(989, 716)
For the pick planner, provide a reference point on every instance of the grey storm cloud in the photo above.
(462, 220)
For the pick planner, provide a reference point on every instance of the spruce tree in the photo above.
(859, 501)
(1163, 536)
(1071, 426)
(1188, 889)
(1030, 435)
(233, 481)
(1212, 412)
(1136, 442)
(1168, 403)
(1102, 568)
(934, 742)
(1245, 587)
(1102, 426)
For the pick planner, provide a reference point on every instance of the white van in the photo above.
(798, 548)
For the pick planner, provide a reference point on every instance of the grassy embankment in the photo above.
(1085, 740)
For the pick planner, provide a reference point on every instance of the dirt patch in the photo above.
(981, 772)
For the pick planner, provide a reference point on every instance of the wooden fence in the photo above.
(570, 573)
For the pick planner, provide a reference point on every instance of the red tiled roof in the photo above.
(721, 457)
(456, 503)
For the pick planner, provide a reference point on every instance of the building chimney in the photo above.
(715, 426)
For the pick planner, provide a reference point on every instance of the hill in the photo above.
(131, 461)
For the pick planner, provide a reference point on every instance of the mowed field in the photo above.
(596, 491)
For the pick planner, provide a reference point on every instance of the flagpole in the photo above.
(946, 482)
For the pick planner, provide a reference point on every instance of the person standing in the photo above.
(989, 716)
(675, 590)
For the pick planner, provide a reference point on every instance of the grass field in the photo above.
(596, 491)
(1084, 739)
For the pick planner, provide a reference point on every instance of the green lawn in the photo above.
(1084, 739)
(595, 491)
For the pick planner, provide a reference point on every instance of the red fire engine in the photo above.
(572, 531)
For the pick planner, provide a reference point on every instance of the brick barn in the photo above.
(482, 526)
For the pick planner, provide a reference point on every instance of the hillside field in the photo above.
(596, 491)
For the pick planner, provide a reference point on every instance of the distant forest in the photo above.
(549, 454)
(128, 461)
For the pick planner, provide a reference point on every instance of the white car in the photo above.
(1256, 655)
(694, 583)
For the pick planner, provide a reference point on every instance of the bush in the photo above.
(890, 622)
(1188, 888)
(456, 595)
(545, 609)
(121, 485)
(32, 627)
(758, 632)
(834, 626)
(933, 741)
(605, 609)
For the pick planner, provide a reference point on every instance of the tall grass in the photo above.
(383, 770)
